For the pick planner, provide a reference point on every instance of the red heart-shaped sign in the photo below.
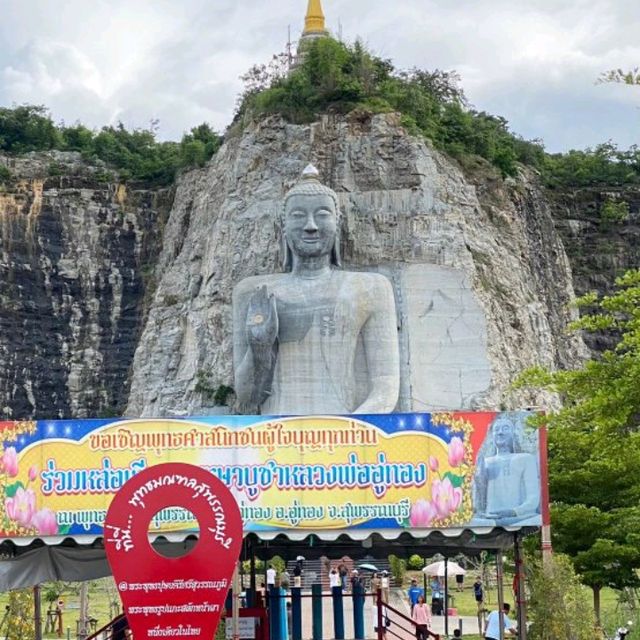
(173, 597)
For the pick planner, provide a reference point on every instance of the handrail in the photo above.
(96, 634)
(387, 606)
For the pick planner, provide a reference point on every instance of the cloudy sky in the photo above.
(534, 62)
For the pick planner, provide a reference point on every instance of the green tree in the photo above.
(20, 615)
(558, 604)
(336, 77)
(199, 145)
(135, 154)
(614, 212)
(621, 77)
(278, 564)
(594, 445)
(27, 128)
(77, 138)
(605, 165)
(398, 568)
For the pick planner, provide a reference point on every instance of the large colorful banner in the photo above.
(396, 471)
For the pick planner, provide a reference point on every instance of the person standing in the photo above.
(414, 593)
(460, 582)
(343, 572)
(421, 615)
(376, 584)
(478, 593)
(285, 580)
(384, 584)
(271, 577)
(297, 574)
(492, 628)
(334, 579)
(436, 596)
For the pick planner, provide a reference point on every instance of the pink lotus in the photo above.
(45, 522)
(422, 514)
(21, 507)
(434, 465)
(10, 462)
(456, 452)
(445, 498)
(33, 473)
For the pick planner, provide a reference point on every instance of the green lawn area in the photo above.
(464, 601)
(101, 593)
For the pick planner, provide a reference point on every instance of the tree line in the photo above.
(594, 445)
(136, 154)
(336, 77)
(333, 76)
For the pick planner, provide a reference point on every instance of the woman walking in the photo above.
(422, 617)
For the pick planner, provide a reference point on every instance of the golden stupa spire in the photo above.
(314, 20)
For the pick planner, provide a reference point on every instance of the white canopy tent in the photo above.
(443, 567)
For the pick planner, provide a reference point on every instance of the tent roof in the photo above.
(32, 561)
(491, 536)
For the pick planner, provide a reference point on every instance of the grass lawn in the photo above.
(464, 601)
(101, 593)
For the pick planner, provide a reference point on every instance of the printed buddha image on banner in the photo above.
(395, 471)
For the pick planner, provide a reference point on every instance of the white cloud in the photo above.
(534, 62)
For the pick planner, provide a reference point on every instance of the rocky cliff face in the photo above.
(77, 260)
(478, 264)
(599, 250)
(481, 278)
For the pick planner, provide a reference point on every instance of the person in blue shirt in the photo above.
(478, 593)
(414, 593)
(492, 628)
(437, 595)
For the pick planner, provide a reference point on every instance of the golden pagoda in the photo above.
(314, 27)
(314, 20)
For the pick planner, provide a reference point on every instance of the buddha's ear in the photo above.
(287, 258)
(335, 252)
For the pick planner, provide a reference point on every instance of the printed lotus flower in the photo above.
(33, 473)
(445, 498)
(21, 507)
(434, 465)
(422, 514)
(10, 462)
(456, 451)
(45, 522)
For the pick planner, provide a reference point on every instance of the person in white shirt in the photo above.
(334, 579)
(271, 577)
(492, 628)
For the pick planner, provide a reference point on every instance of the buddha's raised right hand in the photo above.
(262, 320)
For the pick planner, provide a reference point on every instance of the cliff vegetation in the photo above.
(136, 155)
(336, 77)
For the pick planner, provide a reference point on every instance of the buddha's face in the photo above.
(310, 225)
(503, 435)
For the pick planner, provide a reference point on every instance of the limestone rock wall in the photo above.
(481, 278)
(599, 251)
(77, 260)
